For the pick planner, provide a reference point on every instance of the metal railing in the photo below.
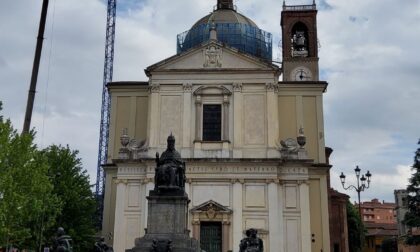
(299, 7)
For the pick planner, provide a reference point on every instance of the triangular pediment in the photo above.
(212, 56)
(211, 206)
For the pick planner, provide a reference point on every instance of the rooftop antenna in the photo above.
(35, 68)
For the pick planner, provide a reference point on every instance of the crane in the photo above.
(105, 108)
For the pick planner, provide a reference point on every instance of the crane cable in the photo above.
(48, 77)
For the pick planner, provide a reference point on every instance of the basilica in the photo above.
(250, 132)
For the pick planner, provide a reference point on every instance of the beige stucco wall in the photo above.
(129, 109)
(284, 202)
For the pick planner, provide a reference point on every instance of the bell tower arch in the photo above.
(300, 42)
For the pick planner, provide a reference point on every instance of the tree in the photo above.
(27, 204)
(71, 185)
(412, 217)
(356, 229)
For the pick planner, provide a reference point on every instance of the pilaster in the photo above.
(186, 117)
(305, 217)
(225, 131)
(272, 119)
(198, 114)
(120, 224)
(325, 214)
(274, 217)
(237, 212)
(321, 136)
(237, 120)
(153, 126)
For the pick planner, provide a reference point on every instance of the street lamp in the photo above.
(361, 184)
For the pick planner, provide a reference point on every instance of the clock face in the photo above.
(301, 74)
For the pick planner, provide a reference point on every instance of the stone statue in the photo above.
(101, 246)
(251, 243)
(170, 169)
(62, 242)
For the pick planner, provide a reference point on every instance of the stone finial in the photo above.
(124, 153)
(301, 139)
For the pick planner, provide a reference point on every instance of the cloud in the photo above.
(369, 58)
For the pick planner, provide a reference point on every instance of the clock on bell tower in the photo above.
(299, 42)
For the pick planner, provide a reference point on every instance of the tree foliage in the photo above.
(72, 187)
(356, 229)
(27, 203)
(41, 190)
(412, 217)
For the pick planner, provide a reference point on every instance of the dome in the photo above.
(233, 29)
(224, 16)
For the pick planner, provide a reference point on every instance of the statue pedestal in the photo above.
(167, 224)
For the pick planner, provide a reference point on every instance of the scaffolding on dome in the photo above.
(245, 38)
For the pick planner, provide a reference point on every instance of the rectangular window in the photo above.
(212, 122)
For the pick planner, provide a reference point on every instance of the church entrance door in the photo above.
(211, 236)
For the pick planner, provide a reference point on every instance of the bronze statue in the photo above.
(101, 246)
(62, 242)
(251, 243)
(170, 169)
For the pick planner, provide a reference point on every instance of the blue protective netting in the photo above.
(245, 38)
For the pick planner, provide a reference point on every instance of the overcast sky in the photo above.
(369, 55)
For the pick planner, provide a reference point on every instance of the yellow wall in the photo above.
(310, 124)
(122, 121)
(316, 214)
(302, 110)
(141, 117)
(128, 110)
(287, 117)
(109, 205)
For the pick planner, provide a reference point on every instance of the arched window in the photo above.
(300, 39)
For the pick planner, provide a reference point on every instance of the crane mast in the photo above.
(106, 102)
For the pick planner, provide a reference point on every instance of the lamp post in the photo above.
(361, 184)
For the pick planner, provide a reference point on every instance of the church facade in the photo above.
(253, 145)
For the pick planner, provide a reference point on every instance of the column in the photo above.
(274, 217)
(237, 213)
(237, 120)
(272, 119)
(186, 118)
(305, 216)
(120, 225)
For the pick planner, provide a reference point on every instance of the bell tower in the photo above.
(300, 42)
